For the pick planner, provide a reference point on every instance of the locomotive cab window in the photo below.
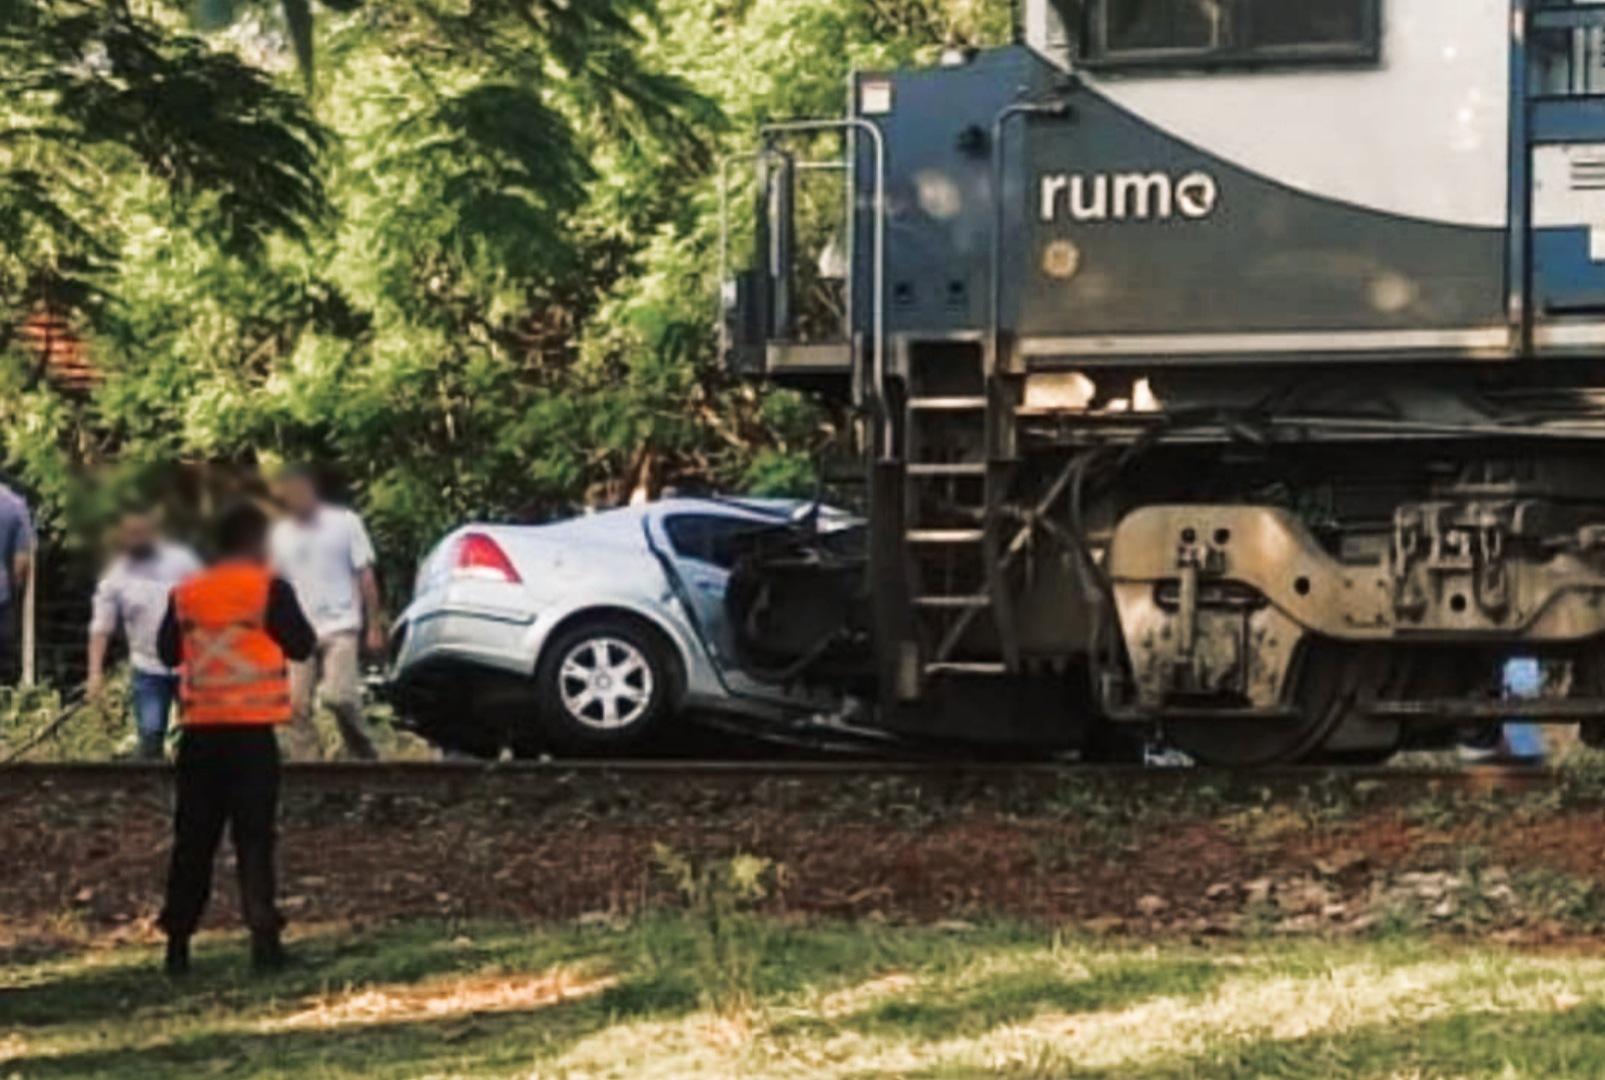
(1192, 33)
(1568, 62)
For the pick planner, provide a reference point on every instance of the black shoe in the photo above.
(267, 954)
(177, 963)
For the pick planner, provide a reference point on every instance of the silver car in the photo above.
(586, 636)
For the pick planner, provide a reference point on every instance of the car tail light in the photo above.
(478, 556)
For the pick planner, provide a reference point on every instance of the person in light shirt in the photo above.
(132, 596)
(323, 551)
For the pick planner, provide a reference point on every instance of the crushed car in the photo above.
(600, 634)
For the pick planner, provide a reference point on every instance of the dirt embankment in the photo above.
(1177, 857)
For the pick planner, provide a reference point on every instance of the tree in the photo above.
(100, 103)
(474, 265)
(90, 90)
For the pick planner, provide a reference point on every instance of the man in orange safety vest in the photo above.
(229, 631)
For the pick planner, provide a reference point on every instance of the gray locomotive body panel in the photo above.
(1122, 240)
(1159, 237)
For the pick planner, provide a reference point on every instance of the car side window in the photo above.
(707, 538)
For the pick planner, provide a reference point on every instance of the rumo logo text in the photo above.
(1133, 196)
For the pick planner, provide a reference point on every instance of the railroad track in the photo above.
(422, 777)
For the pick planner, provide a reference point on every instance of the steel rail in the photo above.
(420, 776)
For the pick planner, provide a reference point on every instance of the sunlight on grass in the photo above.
(438, 1000)
(828, 1000)
(1024, 1008)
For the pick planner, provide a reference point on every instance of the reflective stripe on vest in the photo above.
(233, 671)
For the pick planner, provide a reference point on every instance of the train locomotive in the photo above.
(1231, 370)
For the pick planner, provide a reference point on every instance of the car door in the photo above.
(702, 547)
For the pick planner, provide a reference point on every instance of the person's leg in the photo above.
(341, 690)
(170, 697)
(253, 823)
(1524, 743)
(200, 810)
(152, 700)
(10, 645)
(300, 736)
(1524, 681)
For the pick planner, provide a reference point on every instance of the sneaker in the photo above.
(267, 953)
(1481, 746)
(1160, 756)
(177, 963)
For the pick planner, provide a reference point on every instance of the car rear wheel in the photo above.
(604, 686)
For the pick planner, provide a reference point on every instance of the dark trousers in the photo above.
(10, 643)
(226, 776)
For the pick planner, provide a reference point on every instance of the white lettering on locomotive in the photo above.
(1131, 196)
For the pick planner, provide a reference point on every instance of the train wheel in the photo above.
(1330, 680)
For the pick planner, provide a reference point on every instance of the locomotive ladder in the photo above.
(952, 487)
(957, 599)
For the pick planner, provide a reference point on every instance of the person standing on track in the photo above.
(325, 553)
(230, 631)
(16, 566)
(132, 594)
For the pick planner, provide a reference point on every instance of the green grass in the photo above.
(825, 1000)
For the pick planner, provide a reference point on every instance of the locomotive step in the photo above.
(957, 468)
(948, 404)
(945, 536)
(980, 600)
(966, 667)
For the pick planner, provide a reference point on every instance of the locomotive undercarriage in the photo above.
(1256, 578)
(1266, 579)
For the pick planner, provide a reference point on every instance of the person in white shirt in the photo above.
(323, 551)
(132, 596)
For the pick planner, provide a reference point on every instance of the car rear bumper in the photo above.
(453, 673)
(445, 635)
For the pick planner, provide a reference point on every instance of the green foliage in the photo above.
(474, 267)
(33, 728)
(719, 894)
(114, 129)
(97, 97)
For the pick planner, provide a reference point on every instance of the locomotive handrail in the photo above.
(878, 273)
(724, 204)
(725, 163)
(724, 197)
(1053, 107)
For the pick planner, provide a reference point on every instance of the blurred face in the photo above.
(298, 495)
(137, 535)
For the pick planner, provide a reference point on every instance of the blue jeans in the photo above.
(152, 697)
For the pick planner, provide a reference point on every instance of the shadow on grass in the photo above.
(132, 986)
(216, 1017)
(510, 1041)
(119, 1017)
